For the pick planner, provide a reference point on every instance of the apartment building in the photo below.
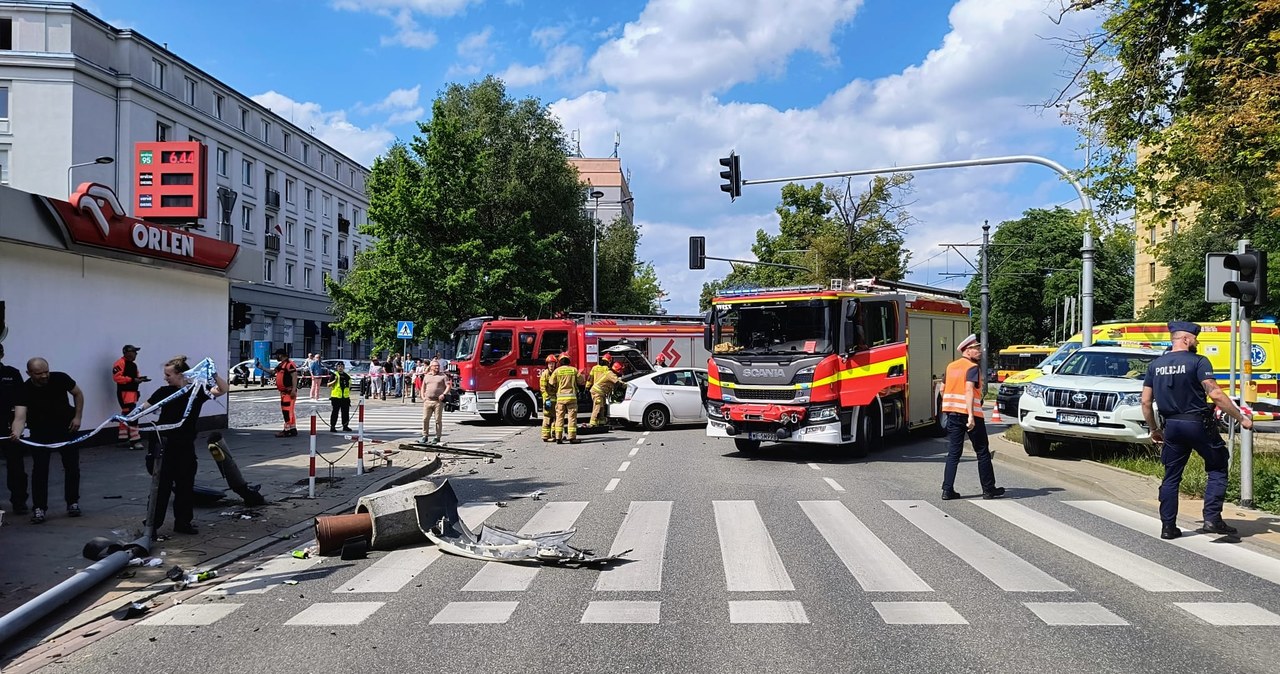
(76, 94)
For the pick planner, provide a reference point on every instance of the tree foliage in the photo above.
(480, 213)
(1184, 97)
(833, 232)
(1035, 263)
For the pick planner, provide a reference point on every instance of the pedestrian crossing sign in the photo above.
(404, 329)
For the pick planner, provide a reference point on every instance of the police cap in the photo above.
(1184, 326)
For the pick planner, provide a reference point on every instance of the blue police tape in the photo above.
(201, 377)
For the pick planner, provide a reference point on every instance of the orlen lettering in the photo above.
(168, 241)
(755, 372)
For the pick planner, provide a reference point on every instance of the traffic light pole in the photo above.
(1246, 372)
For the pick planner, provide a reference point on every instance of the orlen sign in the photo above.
(95, 217)
(170, 180)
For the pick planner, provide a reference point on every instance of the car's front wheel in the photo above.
(1035, 444)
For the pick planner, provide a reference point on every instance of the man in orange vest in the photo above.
(124, 372)
(287, 384)
(962, 412)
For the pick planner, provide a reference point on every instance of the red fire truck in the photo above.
(836, 367)
(497, 361)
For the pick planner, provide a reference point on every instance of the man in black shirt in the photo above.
(10, 391)
(178, 462)
(43, 409)
(1177, 383)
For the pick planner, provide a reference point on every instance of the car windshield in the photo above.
(1107, 364)
(775, 328)
(358, 368)
(465, 345)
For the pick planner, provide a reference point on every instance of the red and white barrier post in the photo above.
(360, 439)
(311, 481)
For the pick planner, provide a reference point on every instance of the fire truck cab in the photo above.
(836, 367)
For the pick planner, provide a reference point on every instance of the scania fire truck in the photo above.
(497, 361)
(844, 367)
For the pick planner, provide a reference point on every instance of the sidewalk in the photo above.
(113, 495)
(1139, 492)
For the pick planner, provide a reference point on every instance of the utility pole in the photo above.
(986, 299)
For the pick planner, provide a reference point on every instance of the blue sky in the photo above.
(799, 87)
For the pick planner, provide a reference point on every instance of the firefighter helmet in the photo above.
(564, 359)
(551, 360)
(618, 367)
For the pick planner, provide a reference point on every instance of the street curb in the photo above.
(91, 615)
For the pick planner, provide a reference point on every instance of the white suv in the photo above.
(1095, 395)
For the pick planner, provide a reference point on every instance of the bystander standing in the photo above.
(435, 386)
(15, 466)
(340, 398)
(287, 384)
(42, 408)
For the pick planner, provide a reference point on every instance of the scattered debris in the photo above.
(153, 561)
(131, 611)
(114, 496)
(290, 581)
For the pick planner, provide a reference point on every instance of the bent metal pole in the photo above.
(1086, 251)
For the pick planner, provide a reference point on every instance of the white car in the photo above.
(1095, 395)
(659, 399)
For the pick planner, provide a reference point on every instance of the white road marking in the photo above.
(634, 451)
(748, 612)
(1234, 556)
(613, 484)
(622, 612)
(751, 562)
(834, 485)
(872, 563)
(335, 613)
(503, 577)
(1007, 570)
(814, 466)
(1140, 571)
(625, 465)
(918, 613)
(393, 571)
(639, 441)
(270, 575)
(191, 614)
(1074, 613)
(647, 432)
(1228, 614)
(644, 532)
(475, 612)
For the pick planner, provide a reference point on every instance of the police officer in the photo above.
(1178, 383)
(962, 404)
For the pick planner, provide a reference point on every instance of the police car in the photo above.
(1095, 395)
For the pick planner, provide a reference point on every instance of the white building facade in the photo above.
(74, 89)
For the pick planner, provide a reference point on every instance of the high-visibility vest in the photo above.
(341, 386)
(605, 382)
(596, 374)
(546, 385)
(565, 381)
(954, 387)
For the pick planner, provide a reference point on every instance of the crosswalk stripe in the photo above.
(1074, 613)
(1230, 614)
(872, 563)
(335, 613)
(767, 612)
(834, 485)
(646, 612)
(270, 575)
(191, 614)
(918, 613)
(751, 562)
(644, 532)
(1138, 570)
(475, 612)
(1234, 556)
(1007, 570)
(503, 577)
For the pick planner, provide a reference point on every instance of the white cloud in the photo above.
(428, 7)
(475, 45)
(545, 37)
(332, 127)
(562, 60)
(476, 55)
(408, 34)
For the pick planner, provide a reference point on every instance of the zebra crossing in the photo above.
(752, 565)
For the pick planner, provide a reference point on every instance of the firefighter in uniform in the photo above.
(1178, 383)
(962, 412)
(594, 377)
(125, 374)
(601, 391)
(565, 381)
(287, 385)
(548, 398)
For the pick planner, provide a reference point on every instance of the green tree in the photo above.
(1185, 98)
(832, 233)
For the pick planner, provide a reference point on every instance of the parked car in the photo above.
(1094, 395)
(658, 399)
(357, 369)
(254, 377)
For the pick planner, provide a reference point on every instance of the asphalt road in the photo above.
(837, 577)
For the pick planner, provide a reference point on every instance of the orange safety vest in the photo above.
(954, 387)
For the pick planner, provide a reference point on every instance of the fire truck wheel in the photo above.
(869, 431)
(517, 408)
(746, 446)
(1035, 444)
(655, 418)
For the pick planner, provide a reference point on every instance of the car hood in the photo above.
(1108, 384)
(1023, 376)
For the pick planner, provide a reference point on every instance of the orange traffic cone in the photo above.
(995, 415)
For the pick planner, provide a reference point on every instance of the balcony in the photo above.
(344, 263)
(273, 199)
(344, 225)
(272, 243)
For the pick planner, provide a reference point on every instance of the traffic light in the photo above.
(697, 252)
(240, 316)
(732, 174)
(1251, 288)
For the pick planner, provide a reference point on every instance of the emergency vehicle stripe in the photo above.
(872, 563)
(503, 577)
(1007, 570)
(751, 562)
(1142, 572)
(873, 369)
(644, 532)
(1234, 556)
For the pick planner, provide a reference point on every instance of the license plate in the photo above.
(1078, 418)
(762, 436)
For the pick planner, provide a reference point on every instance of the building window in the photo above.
(1153, 235)
(162, 132)
(324, 243)
(308, 235)
(351, 178)
(157, 74)
(288, 231)
(342, 248)
(246, 172)
(306, 278)
(324, 205)
(269, 270)
(219, 102)
(288, 138)
(4, 102)
(269, 224)
(324, 158)
(307, 198)
(1151, 304)
(1151, 271)
(246, 218)
(6, 33)
(190, 91)
(289, 188)
(342, 209)
(288, 274)
(244, 120)
(4, 167)
(266, 132)
(222, 163)
(306, 153)
(1173, 227)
